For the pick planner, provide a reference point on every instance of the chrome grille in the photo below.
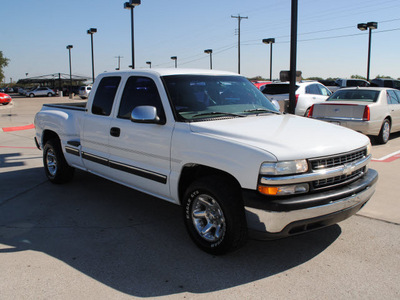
(330, 182)
(339, 160)
(324, 163)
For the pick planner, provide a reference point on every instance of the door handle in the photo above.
(115, 131)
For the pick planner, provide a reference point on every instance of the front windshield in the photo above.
(201, 97)
(355, 95)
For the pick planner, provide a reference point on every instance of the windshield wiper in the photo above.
(218, 113)
(262, 110)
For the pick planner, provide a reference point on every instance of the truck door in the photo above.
(140, 152)
(96, 127)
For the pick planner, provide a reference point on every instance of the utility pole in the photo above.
(119, 62)
(239, 19)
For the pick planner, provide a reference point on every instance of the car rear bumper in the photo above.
(295, 215)
(365, 127)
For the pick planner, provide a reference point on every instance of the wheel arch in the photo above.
(192, 172)
(48, 135)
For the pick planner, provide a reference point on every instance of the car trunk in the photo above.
(339, 111)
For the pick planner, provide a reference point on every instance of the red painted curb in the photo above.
(31, 126)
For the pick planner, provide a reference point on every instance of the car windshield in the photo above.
(202, 97)
(355, 95)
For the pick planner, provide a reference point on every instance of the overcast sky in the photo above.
(35, 34)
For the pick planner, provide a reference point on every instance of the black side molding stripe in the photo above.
(139, 172)
(72, 151)
(126, 168)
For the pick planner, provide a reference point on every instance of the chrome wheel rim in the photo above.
(208, 218)
(51, 162)
(386, 131)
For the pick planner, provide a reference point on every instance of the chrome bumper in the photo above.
(284, 223)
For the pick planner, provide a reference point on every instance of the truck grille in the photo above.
(339, 160)
(323, 163)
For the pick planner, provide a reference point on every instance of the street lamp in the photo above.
(149, 63)
(131, 5)
(175, 58)
(69, 47)
(209, 51)
(363, 27)
(269, 41)
(91, 31)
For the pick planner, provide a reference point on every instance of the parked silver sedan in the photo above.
(40, 91)
(372, 111)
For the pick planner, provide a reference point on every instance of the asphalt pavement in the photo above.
(92, 238)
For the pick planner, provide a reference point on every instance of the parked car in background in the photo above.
(5, 99)
(386, 82)
(307, 93)
(372, 111)
(343, 83)
(40, 91)
(84, 91)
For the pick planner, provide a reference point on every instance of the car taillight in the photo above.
(297, 98)
(367, 113)
(310, 112)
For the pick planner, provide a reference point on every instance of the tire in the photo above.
(31, 95)
(49, 94)
(56, 168)
(214, 216)
(384, 133)
(307, 111)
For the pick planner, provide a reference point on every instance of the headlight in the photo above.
(284, 167)
(369, 149)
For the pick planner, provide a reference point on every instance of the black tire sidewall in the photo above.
(236, 230)
(380, 136)
(64, 172)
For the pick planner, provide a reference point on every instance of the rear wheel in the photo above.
(49, 94)
(31, 95)
(384, 133)
(214, 215)
(56, 168)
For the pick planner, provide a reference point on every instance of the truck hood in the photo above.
(287, 137)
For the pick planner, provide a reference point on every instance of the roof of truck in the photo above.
(173, 71)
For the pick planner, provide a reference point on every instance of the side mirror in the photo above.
(276, 104)
(145, 114)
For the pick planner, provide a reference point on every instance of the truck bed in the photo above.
(81, 106)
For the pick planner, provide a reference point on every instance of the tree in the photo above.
(3, 63)
(358, 77)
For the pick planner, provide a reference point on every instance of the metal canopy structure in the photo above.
(55, 81)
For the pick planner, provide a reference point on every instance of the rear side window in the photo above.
(105, 94)
(392, 97)
(313, 89)
(276, 89)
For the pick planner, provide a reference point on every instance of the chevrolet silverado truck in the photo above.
(211, 142)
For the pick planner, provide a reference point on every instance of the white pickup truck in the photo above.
(211, 142)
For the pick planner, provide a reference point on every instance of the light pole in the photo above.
(370, 26)
(209, 51)
(69, 47)
(269, 41)
(148, 63)
(239, 19)
(119, 62)
(131, 5)
(91, 31)
(175, 58)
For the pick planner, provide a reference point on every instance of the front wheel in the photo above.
(56, 168)
(49, 94)
(214, 215)
(384, 133)
(31, 95)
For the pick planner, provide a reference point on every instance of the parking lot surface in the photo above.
(92, 238)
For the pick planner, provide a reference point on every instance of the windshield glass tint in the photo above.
(199, 97)
(355, 95)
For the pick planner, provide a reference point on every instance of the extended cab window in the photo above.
(140, 91)
(105, 94)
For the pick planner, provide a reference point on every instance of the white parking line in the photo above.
(387, 158)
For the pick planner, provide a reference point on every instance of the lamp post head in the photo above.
(362, 26)
(92, 30)
(174, 57)
(131, 4)
(148, 62)
(208, 51)
(70, 47)
(268, 41)
(372, 25)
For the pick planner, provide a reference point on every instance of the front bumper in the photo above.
(280, 217)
